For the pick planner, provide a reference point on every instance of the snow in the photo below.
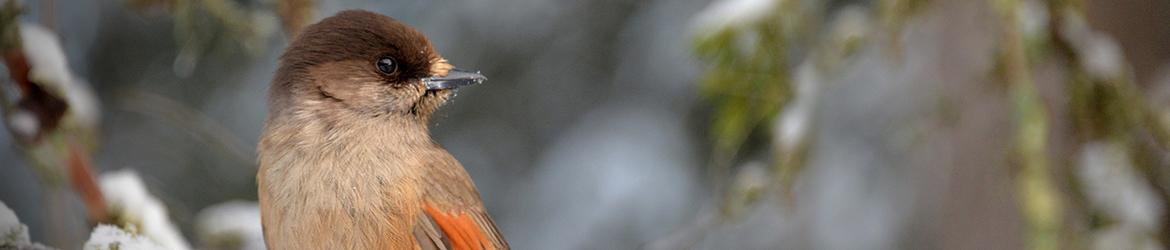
(13, 234)
(796, 119)
(232, 220)
(107, 237)
(1122, 237)
(1103, 58)
(1112, 184)
(24, 124)
(732, 13)
(125, 192)
(10, 226)
(49, 67)
(1034, 18)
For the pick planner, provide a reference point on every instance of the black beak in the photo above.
(455, 78)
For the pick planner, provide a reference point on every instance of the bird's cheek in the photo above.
(398, 101)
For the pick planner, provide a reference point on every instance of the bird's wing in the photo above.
(442, 230)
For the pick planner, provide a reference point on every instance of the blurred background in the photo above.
(629, 124)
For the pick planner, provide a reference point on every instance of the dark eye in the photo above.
(387, 65)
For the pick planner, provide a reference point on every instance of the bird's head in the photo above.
(366, 65)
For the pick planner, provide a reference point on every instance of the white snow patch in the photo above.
(1123, 237)
(732, 13)
(124, 190)
(1034, 18)
(1103, 58)
(49, 67)
(232, 220)
(10, 226)
(24, 124)
(851, 23)
(108, 237)
(1113, 186)
(797, 117)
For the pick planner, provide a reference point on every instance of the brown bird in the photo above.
(346, 160)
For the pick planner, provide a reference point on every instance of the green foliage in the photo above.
(12, 238)
(747, 80)
(1040, 200)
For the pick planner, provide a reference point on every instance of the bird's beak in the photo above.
(455, 78)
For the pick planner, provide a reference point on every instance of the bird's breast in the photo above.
(337, 196)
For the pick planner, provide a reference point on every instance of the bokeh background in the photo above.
(668, 124)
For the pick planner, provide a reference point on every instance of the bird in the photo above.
(345, 154)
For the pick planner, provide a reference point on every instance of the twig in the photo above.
(1041, 204)
(81, 174)
(1119, 92)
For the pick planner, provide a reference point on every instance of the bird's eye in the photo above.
(387, 65)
